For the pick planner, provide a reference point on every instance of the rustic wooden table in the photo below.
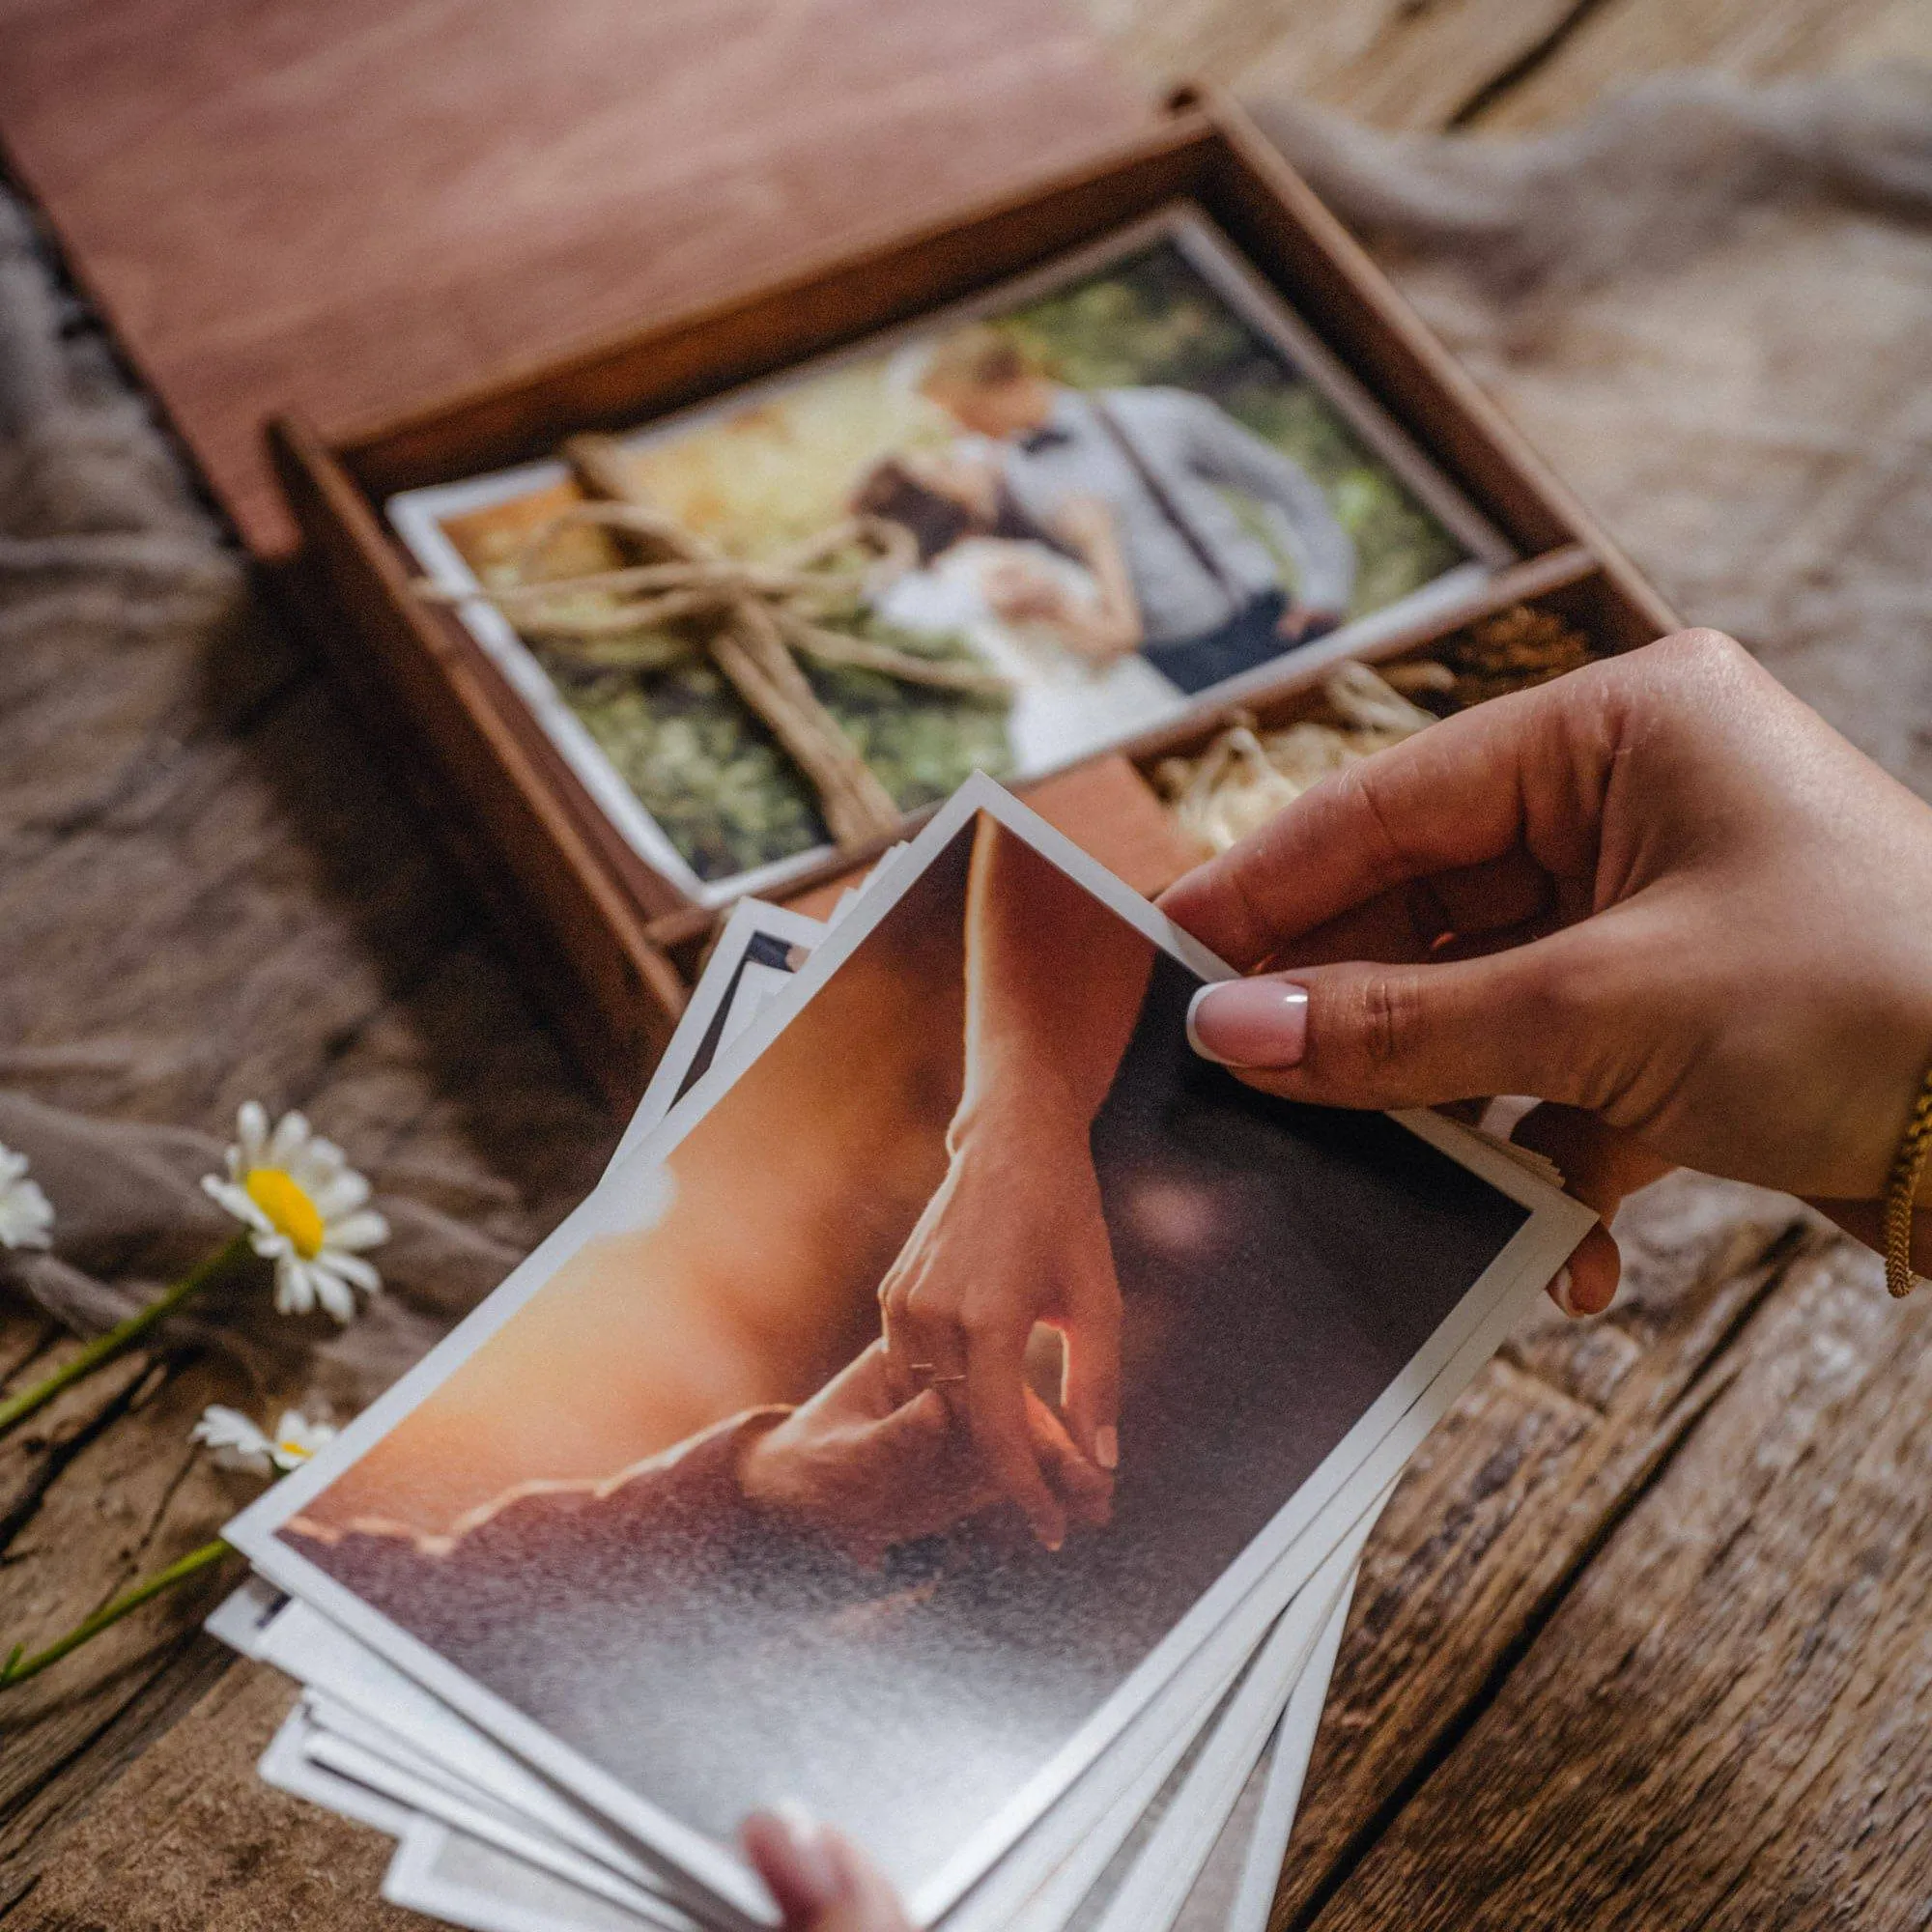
(1641, 1639)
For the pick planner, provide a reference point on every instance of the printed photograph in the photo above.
(946, 1361)
(999, 541)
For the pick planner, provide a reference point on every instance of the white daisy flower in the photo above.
(26, 1216)
(238, 1444)
(304, 1206)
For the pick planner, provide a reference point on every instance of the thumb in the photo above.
(1375, 1036)
(915, 1428)
(818, 1879)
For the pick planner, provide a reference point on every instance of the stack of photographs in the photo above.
(959, 1411)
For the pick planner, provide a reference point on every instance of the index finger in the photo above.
(1525, 770)
(996, 1393)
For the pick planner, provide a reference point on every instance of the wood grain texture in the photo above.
(1505, 1508)
(1614, 43)
(1722, 1724)
(191, 1839)
(349, 209)
(1390, 61)
(1501, 64)
(102, 1488)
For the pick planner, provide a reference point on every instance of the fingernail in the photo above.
(1107, 1447)
(1562, 1289)
(1249, 1023)
(805, 1867)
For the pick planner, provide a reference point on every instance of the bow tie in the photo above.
(1046, 436)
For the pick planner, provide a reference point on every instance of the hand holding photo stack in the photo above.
(959, 1411)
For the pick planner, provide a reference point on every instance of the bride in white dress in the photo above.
(1053, 611)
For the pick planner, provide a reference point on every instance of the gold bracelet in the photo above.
(1901, 1189)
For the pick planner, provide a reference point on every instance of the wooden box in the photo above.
(609, 944)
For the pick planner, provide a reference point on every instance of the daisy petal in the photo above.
(364, 1229)
(339, 1195)
(351, 1268)
(322, 1157)
(288, 1140)
(236, 1201)
(26, 1214)
(233, 1440)
(334, 1294)
(295, 1288)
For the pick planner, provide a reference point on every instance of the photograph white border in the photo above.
(284, 1766)
(417, 517)
(332, 1751)
(1331, 1498)
(1028, 1892)
(528, 1899)
(749, 921)
(1293, 1747)
(1164, 1870)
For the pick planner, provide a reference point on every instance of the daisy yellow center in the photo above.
(280, 1197)
(290, 1447)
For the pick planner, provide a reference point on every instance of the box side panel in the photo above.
(577, 934)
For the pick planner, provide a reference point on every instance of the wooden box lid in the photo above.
(347, 210)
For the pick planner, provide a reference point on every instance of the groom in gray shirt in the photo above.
(1210, 597)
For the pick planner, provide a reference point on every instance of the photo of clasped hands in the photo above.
(1660, 894)
(1005, 1285)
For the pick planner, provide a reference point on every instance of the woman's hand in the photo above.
(1659, 892)
(1013, 1234)
(1012, 1237)
(1300, 623)
(859, 1466)
(1110, 627)
(819, 1880)
(1021, 592)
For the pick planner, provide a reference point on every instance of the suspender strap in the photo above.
(1198, 545)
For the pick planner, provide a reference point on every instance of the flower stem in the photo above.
(16, 1669)
(104, 1348)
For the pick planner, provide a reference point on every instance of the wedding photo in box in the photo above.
(1048, 519)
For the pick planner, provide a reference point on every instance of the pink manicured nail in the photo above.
(1107, 1447)
(1249, 1023)
(1562, 1290)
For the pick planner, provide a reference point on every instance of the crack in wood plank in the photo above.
(1532, 60)
(190, 1668)
(156, 1518)
(32, 1338)
(47, 1444)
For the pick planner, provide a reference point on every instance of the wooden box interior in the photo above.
(609, 944)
